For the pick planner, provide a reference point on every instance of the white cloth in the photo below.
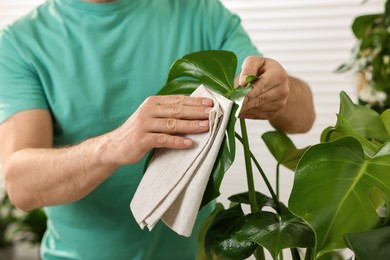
(172, 188)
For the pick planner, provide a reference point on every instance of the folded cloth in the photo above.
(173, 185)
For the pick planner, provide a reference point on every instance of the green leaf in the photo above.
(276, 233)
(251, 78)
(358, 121)
(215, 69)
(224, 160)
(334, 255)
(344, 68)
(385, 116)
(242, 91)
(283, 149)
(372, 244)
(328, 134)
(179, 87)
(387, 12)
(239, 92)
(221, 237)
(378, 201)
(363, 120)
(362, 25)
(343, 128)
(34, 226)
(331, 190)
(261, 199)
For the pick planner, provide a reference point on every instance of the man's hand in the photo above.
(285, 101)
(270, 92)
(158, 122)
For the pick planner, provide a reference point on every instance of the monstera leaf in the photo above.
(261, 199)
(365, 121)
(358, 121)
(182, 87)
(372, 244)
(283, 149)
(332, 189)
(386, 119)
(221, 241)
(276, 233)
(216, 70)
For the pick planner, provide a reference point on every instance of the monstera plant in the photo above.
(341, 192)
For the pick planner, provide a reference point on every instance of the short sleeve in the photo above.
(227, 33)
(20, 88)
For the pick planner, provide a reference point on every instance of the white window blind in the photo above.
(12, 9)
(310, 38)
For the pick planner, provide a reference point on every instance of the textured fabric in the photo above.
(91, 66)
(172, 188)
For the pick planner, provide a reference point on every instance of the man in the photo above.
(78, 113)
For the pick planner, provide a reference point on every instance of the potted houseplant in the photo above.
(341, 187)
(371, 58)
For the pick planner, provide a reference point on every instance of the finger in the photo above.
(254, 101)
(265, 92)
(255, 114)
(250, 66)
(169, 141)
(184, 100)
(181, 112)
(175, 126)
(265, 112)
(267, 83)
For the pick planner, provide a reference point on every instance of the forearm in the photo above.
(298, 115)
(37, 177)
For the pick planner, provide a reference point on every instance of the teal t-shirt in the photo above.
(91, 65)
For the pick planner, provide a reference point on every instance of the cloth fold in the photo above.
(172, 187)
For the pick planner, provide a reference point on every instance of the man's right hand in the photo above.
(160, 121)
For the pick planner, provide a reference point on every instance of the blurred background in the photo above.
(310, 38)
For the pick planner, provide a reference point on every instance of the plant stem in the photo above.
(327, 137)
(295, 254)
(281, 257)
(248, 166)
(259, 253)
(277, 180)
(267, 183)
(309, 254)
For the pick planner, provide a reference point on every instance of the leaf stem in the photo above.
(295, 254)
(267, 183)
(309, 254)
(277, 180)
(259, 253)
(248, 166)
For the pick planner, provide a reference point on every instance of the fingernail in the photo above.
(204, 123)
(187, 142)
(207, 110)
(207, 102)
(242, 81)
